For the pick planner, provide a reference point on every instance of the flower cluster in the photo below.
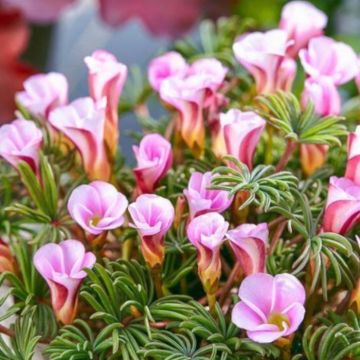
(217, 223)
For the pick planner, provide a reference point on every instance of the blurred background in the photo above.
(55, 35)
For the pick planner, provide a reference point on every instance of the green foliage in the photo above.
(22, 344)
(216, 39)
(337, 341)
(264, 186)
(283, 111)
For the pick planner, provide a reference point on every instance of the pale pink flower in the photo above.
(342, 210)
(207, 233)
(249, 242)
(21, 141)
(152, 217)
(62, 266)
(263, 55)
(107, 77)
(326, 99)
(154, 159)
(83, 123)
(201, 199)
(97, 207)
(213, 72)
(270, 307)
(323, 94)
(353, 162)
(326, 57)
(190, 95)
(43, 93)
(242, 132)
(165, 66)
(302, 21)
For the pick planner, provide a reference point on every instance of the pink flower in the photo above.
(327, 57)
(40, 11)
(43, 93)
(154, 159)
(270, 306)
(242, 132)
(83, 123)
(152, 217)
(262, 55)
(302, 21)
(165, 66)
(207, 233)
(342, 210)
(213, 72)
(107, 77)
(21, 141)
(353, 162)
(97, 207)
(248, 242)
(190, 95)
(326, 99)
(201, 199)
(62, 268)
(323, 94)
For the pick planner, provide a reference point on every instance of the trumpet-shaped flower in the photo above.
(21, 141)
(263, 56)
(207, 233)
(107, 77)
(154, 159)
(326, 57)
(201, 199)
(62, 266)
(97, 207)
(342, 210)
(165, 66)
(242, 132)
(326, 99)
(248, 242)
(302, 21)
(43, 93)
(152, 216)
(190, 95)
(83, 123)
(271, 306)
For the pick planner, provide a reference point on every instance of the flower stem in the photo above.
(211, 297)
(127, 249)
(290, 148)
(156, 275)
(269, 146)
